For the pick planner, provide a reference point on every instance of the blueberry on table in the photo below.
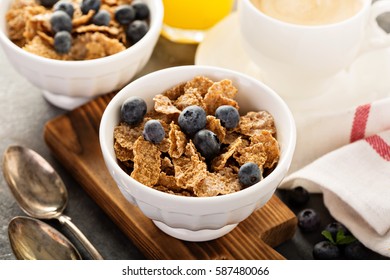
(60, 21)
(88, 5)
(298, 196)
(192, 119)
(308, 220)
(124, 14)
(356, 251)
(62, 42)
(67, 7)
(141, 10)
(334, 228)
(249, 174)
(228, 115)
(326, 250)
(102, 17)
(133, 110)
(47, 3)
(207, 143)
(136, 30)
(153, 131)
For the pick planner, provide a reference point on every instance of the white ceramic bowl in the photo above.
(199, 218)
(68, 84)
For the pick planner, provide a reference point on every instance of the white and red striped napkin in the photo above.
(346, 156)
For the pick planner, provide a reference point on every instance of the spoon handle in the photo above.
(65, 220)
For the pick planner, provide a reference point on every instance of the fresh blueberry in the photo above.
(153, 131)
(356, 251)
(102, 17)
(62, 42)
(124, 14)
(228, 115)
(136, 30)
(334, 228)
(249, 174)
(60, 21)
(141, 10)
(298, 196)
(67, 7)
(308, 220)
(133, 110)
(88, 5)
(48, 3)
(207, 143)
(326, 250)
(192, 119)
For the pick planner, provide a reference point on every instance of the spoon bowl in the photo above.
(32, 239)
(36, 186)
(39, 190)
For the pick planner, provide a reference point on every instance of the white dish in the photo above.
(366, 79)
(68, 84)
(199, 218)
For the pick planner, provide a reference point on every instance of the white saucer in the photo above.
(366, 80)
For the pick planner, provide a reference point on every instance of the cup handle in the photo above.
(376, 37)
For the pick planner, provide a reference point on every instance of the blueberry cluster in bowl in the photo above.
(193, 141)
(192, 120)
(132, 16)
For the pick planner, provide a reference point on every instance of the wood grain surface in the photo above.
(73, 139)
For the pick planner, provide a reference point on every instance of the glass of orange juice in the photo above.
(185, 21)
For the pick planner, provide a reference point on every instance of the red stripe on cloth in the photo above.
(380, 146)
(360, 122)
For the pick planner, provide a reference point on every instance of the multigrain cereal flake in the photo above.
(175, 166)
(164, 105)
(28, 19)
(147, 162)
(178, 141)
(190, 97)
(214, 124)
(201, 83)
(254, 122)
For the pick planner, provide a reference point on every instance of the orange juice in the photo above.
(186, 20)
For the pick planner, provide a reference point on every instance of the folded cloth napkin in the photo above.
(351, 167)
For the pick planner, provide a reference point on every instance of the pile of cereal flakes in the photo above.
(29, 27)
(175, 166)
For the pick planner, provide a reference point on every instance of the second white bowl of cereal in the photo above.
(197, 148)
(75, 50)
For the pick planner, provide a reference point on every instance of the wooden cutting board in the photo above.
(73, 139)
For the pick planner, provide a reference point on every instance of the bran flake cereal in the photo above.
(29, 27)
(214, 124)
(175, 166)
(254, 122)
(164, 105)
(253, 153)
(201, 83)
(271, 147)
(178, 141)
(219, 183)
(190, 97)
(218, 95)
(147, 162)
(175, 92)
(220, 161)
(190, 169)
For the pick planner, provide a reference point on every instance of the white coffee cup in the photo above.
(300, 59)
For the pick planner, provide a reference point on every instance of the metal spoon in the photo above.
(39, 190)
(32, 239)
